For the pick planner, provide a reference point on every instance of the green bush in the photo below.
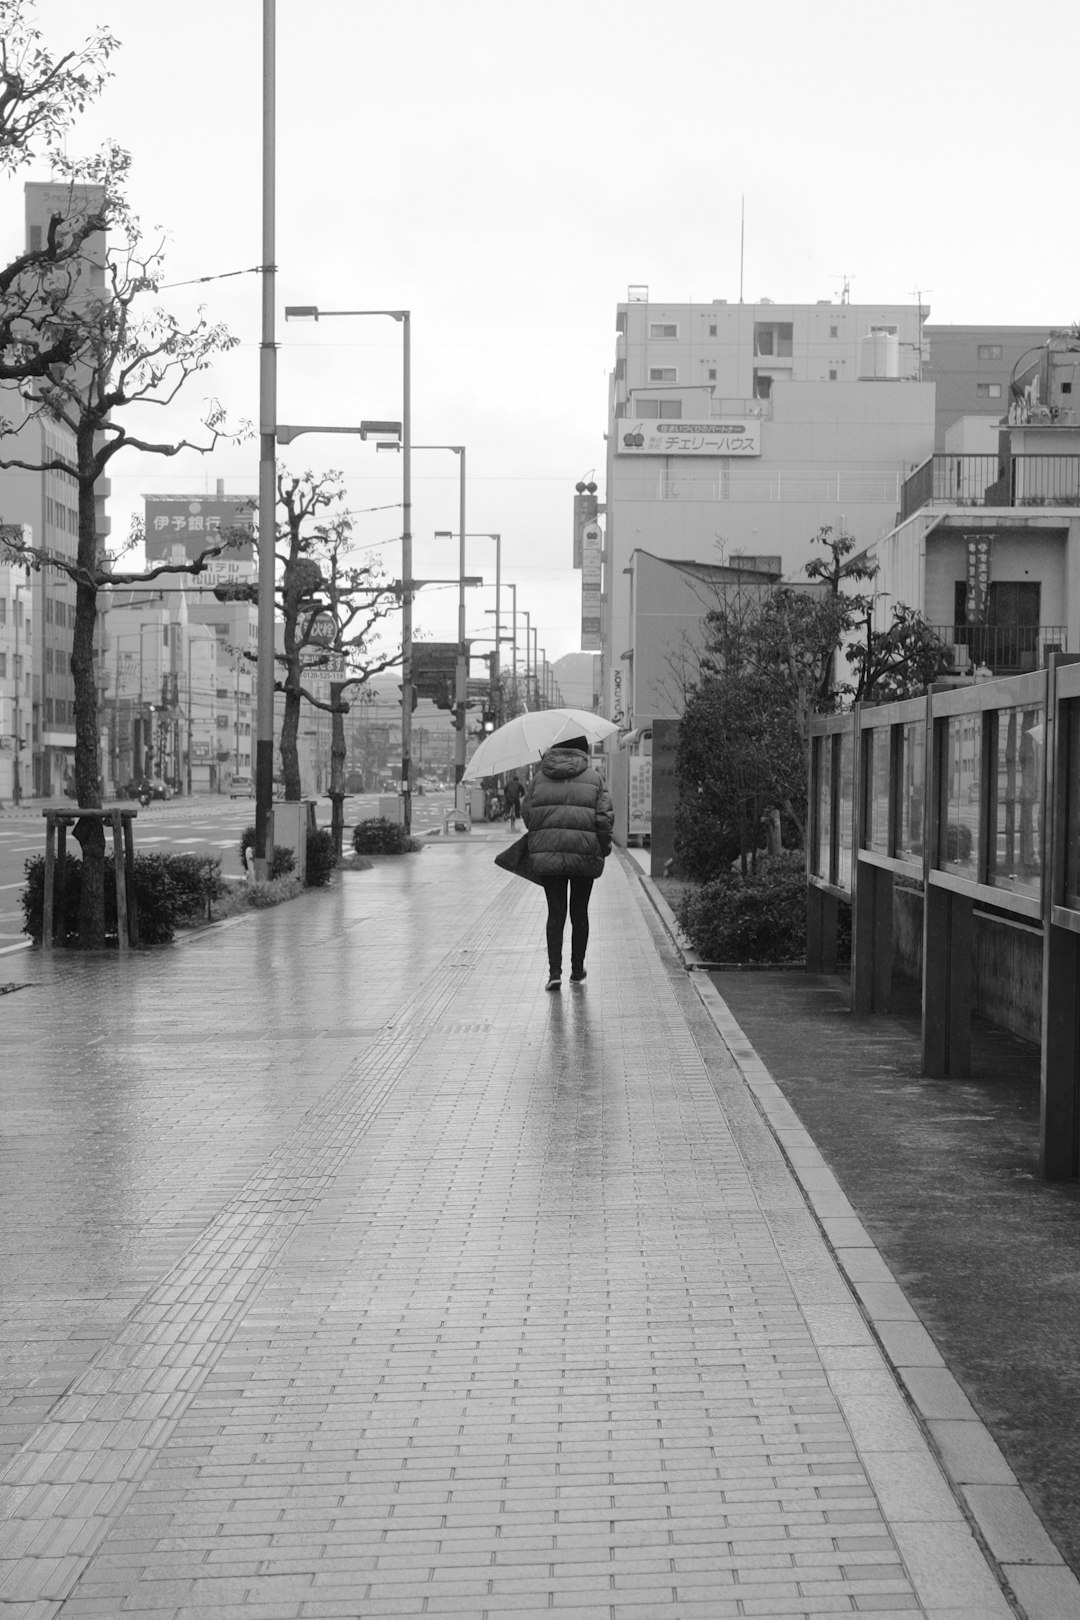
(378, 836)
(282, 860)
(169, 890)
(704, 847)
(321, 859)
(274, 892)
(759, 918)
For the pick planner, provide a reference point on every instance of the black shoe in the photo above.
(554, 983)
(577, 976)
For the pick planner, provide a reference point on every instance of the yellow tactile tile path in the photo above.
(360, 1278)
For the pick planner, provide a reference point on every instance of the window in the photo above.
(3, 609)
(773, 337)
(988, 390)
(663, 329)
(3, 666)
(712, 331)
(989, 351)
(834, 331)
(712, 373)
(762, 385)
(832, 373)
(663, 374)
(651, 410)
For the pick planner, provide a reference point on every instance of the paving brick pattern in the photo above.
(484, 1302)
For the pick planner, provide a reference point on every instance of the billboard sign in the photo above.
(664, 438)
(179, 529)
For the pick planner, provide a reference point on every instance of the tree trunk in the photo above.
(290, 726)
(338, 711)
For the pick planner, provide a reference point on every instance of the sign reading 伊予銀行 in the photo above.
(664, 438)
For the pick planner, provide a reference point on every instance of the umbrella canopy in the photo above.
(522, 740)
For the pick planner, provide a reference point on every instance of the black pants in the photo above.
(580, 888)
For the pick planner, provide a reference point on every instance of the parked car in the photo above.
(241, 787)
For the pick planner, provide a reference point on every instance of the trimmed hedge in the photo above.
(378, 836)
(759, 918)
(169, 890)
(282, 861)
(320, 856)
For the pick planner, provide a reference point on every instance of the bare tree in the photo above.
(119, 358)
(330, 610)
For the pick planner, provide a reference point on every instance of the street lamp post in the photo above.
(313, 312)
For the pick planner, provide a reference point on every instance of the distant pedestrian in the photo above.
(569, 814)
(513, 793)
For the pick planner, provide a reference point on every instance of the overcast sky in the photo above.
(506, 170)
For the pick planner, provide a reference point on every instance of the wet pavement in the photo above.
(347, 1274)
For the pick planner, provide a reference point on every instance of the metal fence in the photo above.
(992, 480)
(971, 798)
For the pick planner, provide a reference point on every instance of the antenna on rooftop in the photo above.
(742, 240)
(845, 291)
(919, 293)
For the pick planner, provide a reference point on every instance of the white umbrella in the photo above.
(522, 740)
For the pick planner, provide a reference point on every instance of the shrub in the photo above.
(704, 847)
(378, 836)
(282, 860)
(321, 859)
(168, 890)
(759, 918)
(274, 892)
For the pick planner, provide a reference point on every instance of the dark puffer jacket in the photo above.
(569, 814)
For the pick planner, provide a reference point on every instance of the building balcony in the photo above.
(991, 480)
(1004, 649)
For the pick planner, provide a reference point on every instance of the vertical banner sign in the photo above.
(639, 820)
(591, 547)
(978, 579)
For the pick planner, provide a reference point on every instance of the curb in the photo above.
(1032, 1572)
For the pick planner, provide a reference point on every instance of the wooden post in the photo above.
(1060, 1101)
(50, 877)
(129, 875)
(948, 936)
(120, 881)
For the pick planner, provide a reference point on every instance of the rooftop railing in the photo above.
(991, 480)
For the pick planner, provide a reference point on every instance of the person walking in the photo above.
(513, 793)
(569, 814)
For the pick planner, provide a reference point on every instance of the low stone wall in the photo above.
(1008, 964)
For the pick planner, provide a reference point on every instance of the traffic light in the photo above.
(487, 720)
(246, 592)
(412, 689)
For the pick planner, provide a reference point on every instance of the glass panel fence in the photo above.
(876, 827)
(845, 808)
(1015, 857)
(959, 847)
(823, 783)
(1071, 760)
(909, 842)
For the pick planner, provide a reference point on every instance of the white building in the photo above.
(742, 430)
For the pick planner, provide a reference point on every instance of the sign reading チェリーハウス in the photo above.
(665, 438)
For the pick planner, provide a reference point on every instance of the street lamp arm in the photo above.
(285, 433)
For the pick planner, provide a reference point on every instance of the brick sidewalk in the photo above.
(357, 1277)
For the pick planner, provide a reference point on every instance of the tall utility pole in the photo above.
(264, 706)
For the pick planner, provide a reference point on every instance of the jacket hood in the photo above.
(561, 763)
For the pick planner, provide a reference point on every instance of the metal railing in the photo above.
(992, 480)
(1004, 649)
